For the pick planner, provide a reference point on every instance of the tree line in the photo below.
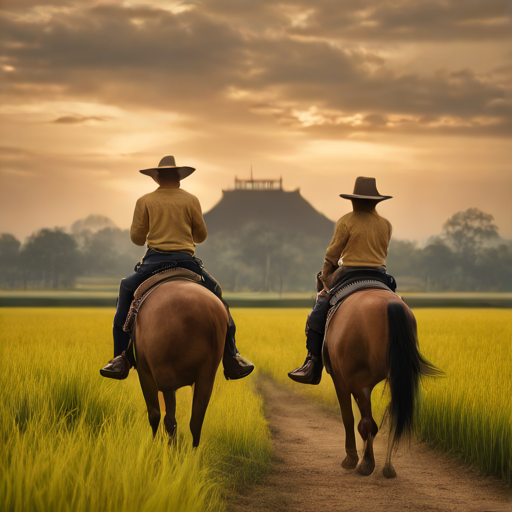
(53, 259)
(469, 255)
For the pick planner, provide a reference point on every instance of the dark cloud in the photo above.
(203, 64)
(22, 5)
(77, 119)
(367, 20)
(409, 20)
(145, 54)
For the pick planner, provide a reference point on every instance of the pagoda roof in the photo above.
(268, 207)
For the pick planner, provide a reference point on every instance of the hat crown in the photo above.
(366, 187)
(167, 161)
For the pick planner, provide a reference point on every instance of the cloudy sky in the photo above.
(417, 93)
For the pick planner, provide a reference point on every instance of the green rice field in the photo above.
(73, 441)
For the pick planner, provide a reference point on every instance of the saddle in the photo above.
(150, 285)
(360, 274)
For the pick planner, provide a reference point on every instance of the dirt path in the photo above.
(307, 475)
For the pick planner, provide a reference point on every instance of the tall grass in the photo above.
(74, 441)
(468, 413)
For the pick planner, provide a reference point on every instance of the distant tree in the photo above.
(109, 252)
(438, 266)
(9, 260)
(494, 269)
(450, 260)
(263, 257)
(50, 259)
(403, 258)
(469, 231)
(92, 224)
(221, 257)
(260, 249)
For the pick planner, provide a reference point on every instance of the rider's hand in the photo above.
(321, 293)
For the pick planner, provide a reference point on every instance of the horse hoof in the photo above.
(350, 462)
(366, 467)
(389, 471)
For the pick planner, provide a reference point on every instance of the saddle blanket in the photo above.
(340, 294)
(150, 285)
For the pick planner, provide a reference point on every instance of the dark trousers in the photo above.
(315, 324)
(151, 263)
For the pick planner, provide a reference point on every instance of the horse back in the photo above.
(357, 339)
(180, 334)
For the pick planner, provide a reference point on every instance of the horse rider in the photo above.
(170, 221)
(361, 241)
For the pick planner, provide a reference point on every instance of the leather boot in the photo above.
(117, 368)
(310, 372)
(235, 366)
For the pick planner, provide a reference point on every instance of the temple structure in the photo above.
(266, 203)
(264, 238)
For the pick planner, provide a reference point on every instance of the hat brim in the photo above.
(370, 198)
(182, 171)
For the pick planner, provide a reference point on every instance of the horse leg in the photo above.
(202, 394)
(388, 470)
(368, 430)
(345, 401)
(150, 392)
(170, 414)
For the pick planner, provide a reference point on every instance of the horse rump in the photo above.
(406, 365)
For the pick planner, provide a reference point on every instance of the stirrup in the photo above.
(310, 372)
(236, 367)
(117, 368)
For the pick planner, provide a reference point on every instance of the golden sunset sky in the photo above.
(417, 93)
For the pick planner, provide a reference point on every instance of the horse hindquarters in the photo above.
(183, 348)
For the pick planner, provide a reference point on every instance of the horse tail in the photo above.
(406, 365)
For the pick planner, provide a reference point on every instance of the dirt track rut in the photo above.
(307, 475)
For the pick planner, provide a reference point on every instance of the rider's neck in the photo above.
(363, 205)
(169, 184)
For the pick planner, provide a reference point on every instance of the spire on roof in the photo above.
(252, 184)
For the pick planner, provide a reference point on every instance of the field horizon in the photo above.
(97, 295)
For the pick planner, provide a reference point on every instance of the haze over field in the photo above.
(416, 93)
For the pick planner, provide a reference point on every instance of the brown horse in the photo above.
(372, 337)
(180, 335)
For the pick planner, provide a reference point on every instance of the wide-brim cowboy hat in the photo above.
(168, 162)
(366, 188)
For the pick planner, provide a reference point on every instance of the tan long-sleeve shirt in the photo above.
(361, 239)
(168, 219)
